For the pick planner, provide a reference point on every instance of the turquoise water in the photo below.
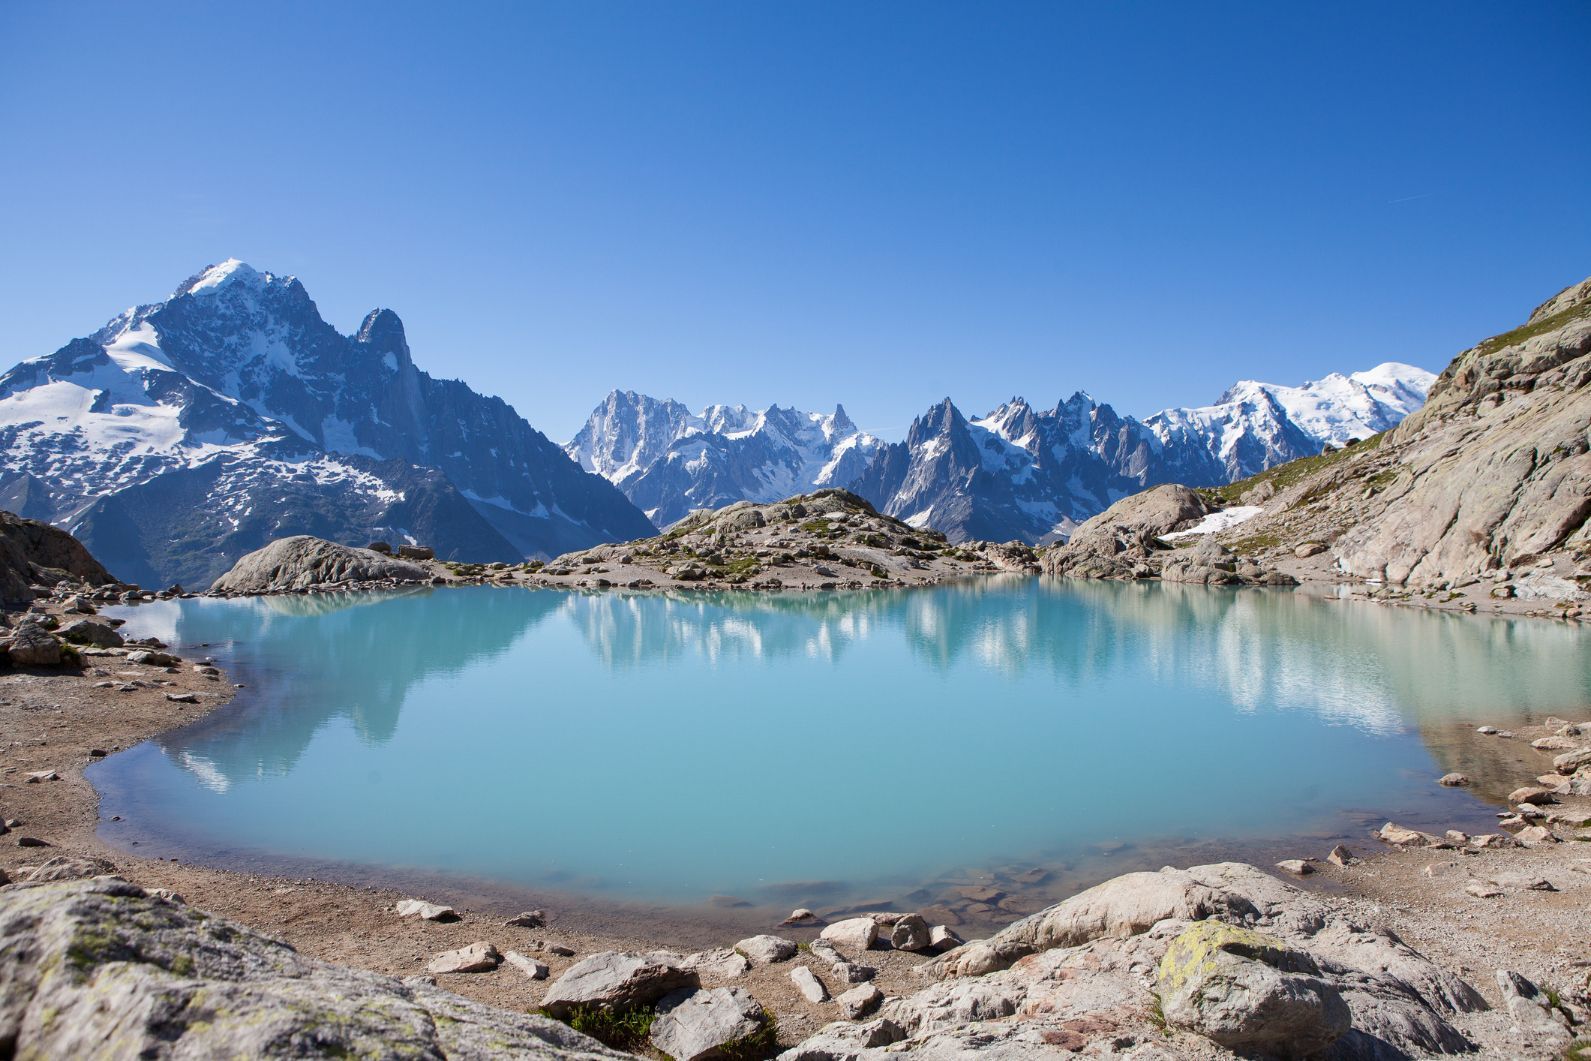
(811, 748)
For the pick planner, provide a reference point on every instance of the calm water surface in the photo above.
(812, 748)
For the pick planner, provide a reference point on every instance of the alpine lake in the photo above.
(979, 749)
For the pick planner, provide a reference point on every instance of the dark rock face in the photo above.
(33, 553)
(186, 433)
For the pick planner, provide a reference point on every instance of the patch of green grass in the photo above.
(1578, 1051)
(1255, 543)
(1528, 331)
(622, 1029)
(1157, 1016)
(759, 1045)
(821, 527)
(1284, 475)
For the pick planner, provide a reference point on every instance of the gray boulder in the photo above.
(616, 980)
(807, 982)
(31, 645)
(910, 933)
(1530, 1009)
(765, 950)
(34, 553)
(476, 958)
(96, 632)
(1249, 992)
(71, 867)
(97, 968)
(1074, 973)
(854, 934)
(303, 561)
(695, 1024)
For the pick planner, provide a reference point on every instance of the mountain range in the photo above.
(1014, 473)
(186, 433)
(670, 461)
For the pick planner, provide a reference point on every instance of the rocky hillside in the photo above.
(188, 432)
(1489, 482)
(825, 540)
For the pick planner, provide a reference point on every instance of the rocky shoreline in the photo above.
(1067, 989)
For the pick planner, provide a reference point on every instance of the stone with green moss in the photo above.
(1249, 992)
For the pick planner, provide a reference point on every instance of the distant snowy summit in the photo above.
(1254, 426)
(188, 432)
(670, 461)
(1018, 472)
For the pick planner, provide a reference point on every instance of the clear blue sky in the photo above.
(876, 203)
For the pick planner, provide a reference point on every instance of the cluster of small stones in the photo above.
(56, 629)
(690, 1019)
(1500, 585)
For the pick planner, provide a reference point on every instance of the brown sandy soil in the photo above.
(52, 720)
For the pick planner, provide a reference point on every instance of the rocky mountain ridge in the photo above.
(187, 432)
(670, 462)
(1017, 473)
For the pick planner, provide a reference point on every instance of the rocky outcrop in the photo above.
(100, 968)
(34, 553)
(1490, 480)
(303, 561)
(1197, 963)
(1121, 541)
(1129, 540)
(830, 539)
(1495, 471)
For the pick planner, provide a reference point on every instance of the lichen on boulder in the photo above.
(1250, 992)
(100, 968)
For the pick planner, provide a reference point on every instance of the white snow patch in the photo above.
(1225, 519)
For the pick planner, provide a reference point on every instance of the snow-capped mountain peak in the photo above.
(670, 461)
(225, 274)
(152, 437)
